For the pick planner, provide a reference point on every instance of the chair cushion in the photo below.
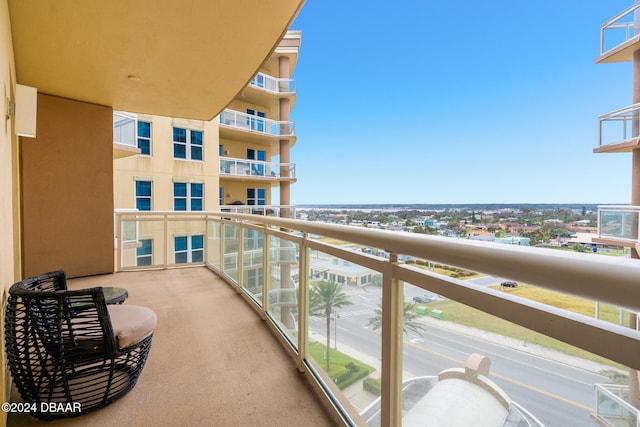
(131, 323)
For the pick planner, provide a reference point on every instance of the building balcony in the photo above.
(619, 36)
(277, 265)
(245, 169)
(619, 130)
(124, 135)
(254, 128)
(287, 211)
(276, 86)
(266, 91)
(212, 361)
(618, 226)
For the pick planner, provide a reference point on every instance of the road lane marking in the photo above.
(505, 378)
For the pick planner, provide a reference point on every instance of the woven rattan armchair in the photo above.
(68, 351)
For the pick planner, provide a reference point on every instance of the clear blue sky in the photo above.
(427, 101)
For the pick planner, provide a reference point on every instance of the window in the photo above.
(221, 196)
(187, 144)
(257, 169)
(255, 123)
(188, 249)
(144, 254)
(256, 196)
(143, 195)
(187, 196)
(144, 138)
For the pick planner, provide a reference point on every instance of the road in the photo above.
(557, 393)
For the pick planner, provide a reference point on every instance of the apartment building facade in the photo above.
(230, 163)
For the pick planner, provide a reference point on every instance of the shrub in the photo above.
(372, 385)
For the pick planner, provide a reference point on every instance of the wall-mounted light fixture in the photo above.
(25, 109)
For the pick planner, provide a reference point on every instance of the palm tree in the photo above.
(410, 319)
(324, 297)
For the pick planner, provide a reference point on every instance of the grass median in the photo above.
(465, 315)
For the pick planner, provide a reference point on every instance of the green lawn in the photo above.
(343, 370)
(462, 314)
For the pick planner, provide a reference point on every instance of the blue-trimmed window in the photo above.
(188, 249)
(187, 196)
(187, 144)
(143, 195)
(256, 196)
(144, 138)
(144, 253)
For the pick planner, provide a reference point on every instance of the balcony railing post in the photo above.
(119, 251)
(240, 262)
(392, 335)
(166, 240)
(303, 303)
(266, 276)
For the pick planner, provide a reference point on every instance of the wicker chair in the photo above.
(68, 351)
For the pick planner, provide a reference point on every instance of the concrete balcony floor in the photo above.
(212, 361)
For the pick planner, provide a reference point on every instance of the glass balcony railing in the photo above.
(251, 123)
(618, 222)
(287, 211)
(361, 326)
(124, 128)
(255, 168)
(619, 126)
(274, 85)
(613, 407)
(619, 29)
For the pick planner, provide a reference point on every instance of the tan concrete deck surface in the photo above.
(213, 362)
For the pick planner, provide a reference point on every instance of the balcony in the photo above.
(276, 264)
(254, 127)
(245, 169)
(273, 85)
(619, 130)
(204, 368)
(287, 211)
(619, 36)
(124, 135)
(618, 226)
(265, 90)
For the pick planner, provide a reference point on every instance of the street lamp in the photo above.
(335, 316)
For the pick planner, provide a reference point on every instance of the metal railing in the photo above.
(252, 123)
(619, 29)
(227, 236)
(619, 125)
(287, 211)
(278, 86)
(619, 222)
(256, 168)
(612, 407)
(124, 128)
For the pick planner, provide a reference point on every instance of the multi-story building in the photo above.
(175, 164)
(230, 163)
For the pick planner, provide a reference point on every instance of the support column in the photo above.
(285, 193)
(285, 145)
(634, 384)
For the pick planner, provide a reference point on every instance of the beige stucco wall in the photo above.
(9, 224)
(67, 189)
(162, 169)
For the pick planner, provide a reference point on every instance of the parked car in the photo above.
(509, 284)
(423, 298)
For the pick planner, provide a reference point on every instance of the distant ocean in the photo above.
(470, 206)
